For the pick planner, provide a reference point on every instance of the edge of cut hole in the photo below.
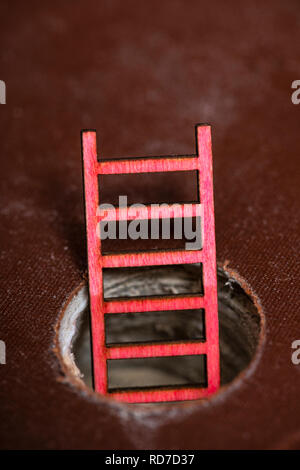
(68, 325)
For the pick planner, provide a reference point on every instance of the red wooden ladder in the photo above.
(202, 162)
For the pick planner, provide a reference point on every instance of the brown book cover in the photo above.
(143, 74)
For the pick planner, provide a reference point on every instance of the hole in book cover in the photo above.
(152, 281)
(241, 325)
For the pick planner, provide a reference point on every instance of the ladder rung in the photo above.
(151, 259)
(160, 395)
(155, 211)
(156, 350)
(145, 165)
(153, 305)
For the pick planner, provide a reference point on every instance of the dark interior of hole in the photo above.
(155, 327)
(144, 278)
(239, 324)
(189, 225)
(147, 188)
(166, 372)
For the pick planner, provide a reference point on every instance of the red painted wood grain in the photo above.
(205, 176)
(151, 259)
(147, 165)
(156, 350)
(150, 212)
(89, 151)
(164, 394)
(207, 255)
(152, 305)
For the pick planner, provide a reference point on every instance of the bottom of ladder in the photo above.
(163, 395)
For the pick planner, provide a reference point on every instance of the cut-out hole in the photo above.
(241, 328)
(153, 281)
(167, 372)
(147, 188)
(155, 327)
(188, 228)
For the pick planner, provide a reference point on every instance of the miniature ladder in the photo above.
(202, 162)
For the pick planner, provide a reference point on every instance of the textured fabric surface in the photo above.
(142, 74)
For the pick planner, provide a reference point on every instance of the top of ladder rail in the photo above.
(150, 157)
(148, 164)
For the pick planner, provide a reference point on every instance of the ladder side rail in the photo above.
(89, 150)
(205, 184)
